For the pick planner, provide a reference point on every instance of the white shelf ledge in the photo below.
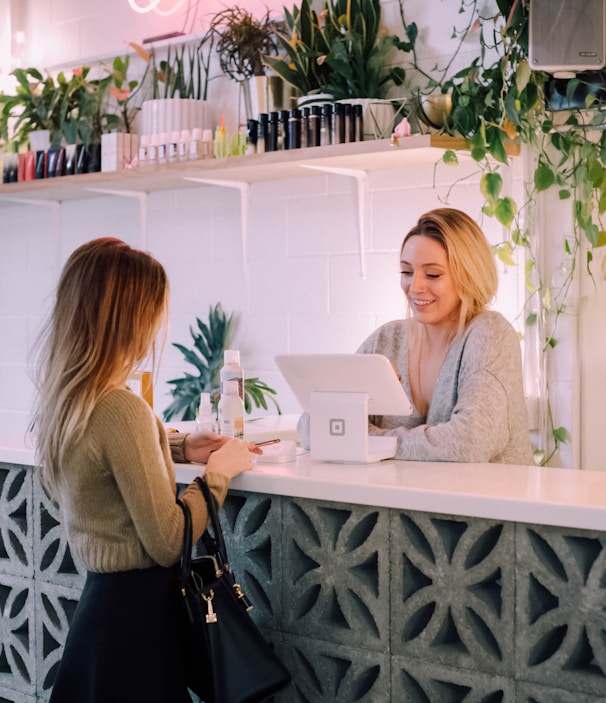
(279, 165)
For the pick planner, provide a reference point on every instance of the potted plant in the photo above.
(69, 109)
(344, 51)
(206, 356)
(241, 42)
(180, 75)
(36, 105)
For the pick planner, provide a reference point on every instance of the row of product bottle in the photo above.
(318, 125)
(231, 404)
(176, 146)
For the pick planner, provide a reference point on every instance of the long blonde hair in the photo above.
(111, 301)
(469, 256)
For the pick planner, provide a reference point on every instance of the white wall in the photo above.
(301, 289)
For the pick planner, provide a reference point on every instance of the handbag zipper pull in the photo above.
(211, 616)
(244, 602)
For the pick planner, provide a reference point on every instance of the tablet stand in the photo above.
(339, 429)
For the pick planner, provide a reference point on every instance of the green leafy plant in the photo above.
(182, 73)
(344, 50)
(210, 341)
(38, 103)
(498, 100)
(71, 108)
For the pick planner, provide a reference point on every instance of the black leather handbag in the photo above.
(228, 660)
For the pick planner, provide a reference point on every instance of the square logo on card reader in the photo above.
(337, 427)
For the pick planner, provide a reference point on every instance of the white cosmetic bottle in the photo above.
(231, 411)
(232, 371)
(205, 420)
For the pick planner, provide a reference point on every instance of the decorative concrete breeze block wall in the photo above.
(364, 604)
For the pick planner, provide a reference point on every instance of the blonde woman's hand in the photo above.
(234, 457)
(200, 445)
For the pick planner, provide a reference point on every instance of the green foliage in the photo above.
(209, 342)
(342, 51)
(73, 109)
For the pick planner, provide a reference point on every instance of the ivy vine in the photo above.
(499, 102)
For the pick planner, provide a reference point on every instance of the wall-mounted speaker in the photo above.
(567, 35)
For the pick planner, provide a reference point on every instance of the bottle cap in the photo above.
(197, 134)
(185, 136)
(231, 388)
(231, 356)
(207, 135)
(174, 138)
(144, 140)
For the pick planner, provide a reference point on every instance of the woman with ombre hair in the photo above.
(108, 462)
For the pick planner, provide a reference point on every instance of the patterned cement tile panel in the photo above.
(252, 525)
(452, 591)
(17, 639)
(334, 673)
(415, 681)
(16, 534)
(535, 693)
(55, 607)
(53, 560)
(336, 573)
(561, 608)
(8, 696)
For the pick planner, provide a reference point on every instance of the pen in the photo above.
(265, 442)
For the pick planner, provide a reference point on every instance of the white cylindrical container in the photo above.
(205, 419)
(231, 411)
(232, 370)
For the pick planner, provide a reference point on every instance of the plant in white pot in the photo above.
(178, 87)
(344, 51)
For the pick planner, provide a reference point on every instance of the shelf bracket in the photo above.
(139, 195)
(361, 177)
(243, 187)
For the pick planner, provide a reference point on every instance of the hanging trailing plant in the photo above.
(497, 101)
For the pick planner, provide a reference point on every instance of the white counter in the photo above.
(547, 496)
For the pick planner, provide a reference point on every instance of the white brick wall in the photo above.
(301, 289)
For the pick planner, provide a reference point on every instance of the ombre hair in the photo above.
(111, 302)
(469, 256)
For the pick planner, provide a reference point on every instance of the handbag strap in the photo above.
(185, 565)
(216, 543)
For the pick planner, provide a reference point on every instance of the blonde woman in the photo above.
(459, 363)
(106, 459)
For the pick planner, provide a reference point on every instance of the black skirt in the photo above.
(125, 642)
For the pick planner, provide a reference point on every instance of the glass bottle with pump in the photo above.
(231, 411)
(232, 371)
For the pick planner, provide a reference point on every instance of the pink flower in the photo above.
(402, 128)
(119, 93)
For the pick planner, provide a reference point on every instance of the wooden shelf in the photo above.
(299, 163)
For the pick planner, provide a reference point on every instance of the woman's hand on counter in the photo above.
(233, 458)
(199, 446)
